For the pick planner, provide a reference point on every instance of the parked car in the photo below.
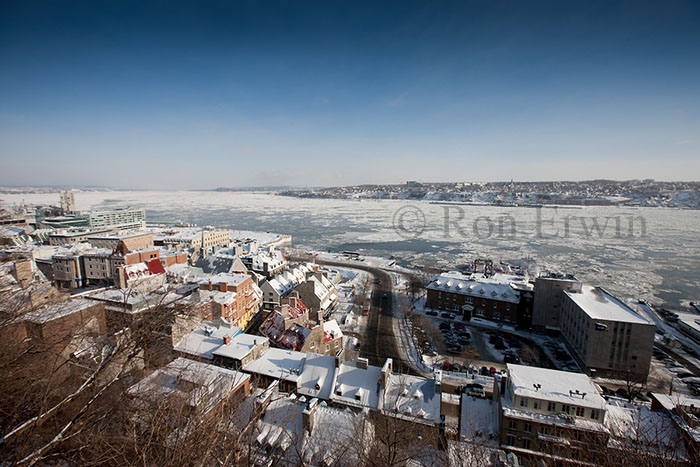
(511, 358)
(459, 327)
(484, 371)
(431, 313)
(445, 326)
(492, 371)
(446, 365)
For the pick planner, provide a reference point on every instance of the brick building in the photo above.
(498, 298)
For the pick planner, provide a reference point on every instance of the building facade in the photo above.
(606, 336)
(549, 299)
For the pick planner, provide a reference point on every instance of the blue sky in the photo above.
(203, 94)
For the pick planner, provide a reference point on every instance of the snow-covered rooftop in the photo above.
(479, 420)
(278, 363)
(600, 305)
(498, 287)
(208, 340)
(195, 382)
(413, 397)
(317, 376)
(357, 386)
(59, 310)
(555, 386)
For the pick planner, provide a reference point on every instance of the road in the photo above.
(379, 341)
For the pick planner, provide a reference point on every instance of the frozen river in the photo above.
(649, 253)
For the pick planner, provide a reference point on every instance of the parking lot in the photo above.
(477, 346)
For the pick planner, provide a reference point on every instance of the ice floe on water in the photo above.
(650, 253)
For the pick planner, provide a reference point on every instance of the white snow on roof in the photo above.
(554, 386)
(332, 329)
(317, 377)
(278, 363)
(239, 346)
(599, 304)
(196, 382)
(208, 340)
(413, 397)
(479, 420)
(498, 287)
(59, 310)
(230, 279)
(224, 298)
(357, 386)
(637, 426)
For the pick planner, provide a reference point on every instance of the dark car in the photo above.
(445, 326)
(500, 345)
(484, 371)
(431, 313)
(510, 358)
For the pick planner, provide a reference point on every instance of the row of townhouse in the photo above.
(288, 327)
(84, 265)
(411, 400)
(315, 289)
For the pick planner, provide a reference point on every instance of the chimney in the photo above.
(211, 286)
(223, 287)
(227, 339)
(307, 416)
(438, 382)
(362, 363)
(386, 371)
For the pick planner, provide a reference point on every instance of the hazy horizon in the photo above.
(191, 95)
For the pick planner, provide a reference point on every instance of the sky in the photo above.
(198, 95)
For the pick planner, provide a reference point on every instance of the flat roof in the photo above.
(555, 386)
(601, 305)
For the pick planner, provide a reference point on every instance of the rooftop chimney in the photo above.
(362, 363)
(307, 416)
(223, 287)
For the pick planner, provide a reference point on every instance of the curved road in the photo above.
(379, 342)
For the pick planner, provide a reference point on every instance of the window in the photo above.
(512, 425)
(510, 440)
(565, 408)
(528, 427)
(536, 405)
(552, 406)
(544, 430)
(523, 402)
(595, 414)
(579, 411)
(526, 444)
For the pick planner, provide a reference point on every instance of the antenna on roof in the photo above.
(537, 386)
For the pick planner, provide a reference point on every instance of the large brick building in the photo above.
(234, 297)
(498, 298)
